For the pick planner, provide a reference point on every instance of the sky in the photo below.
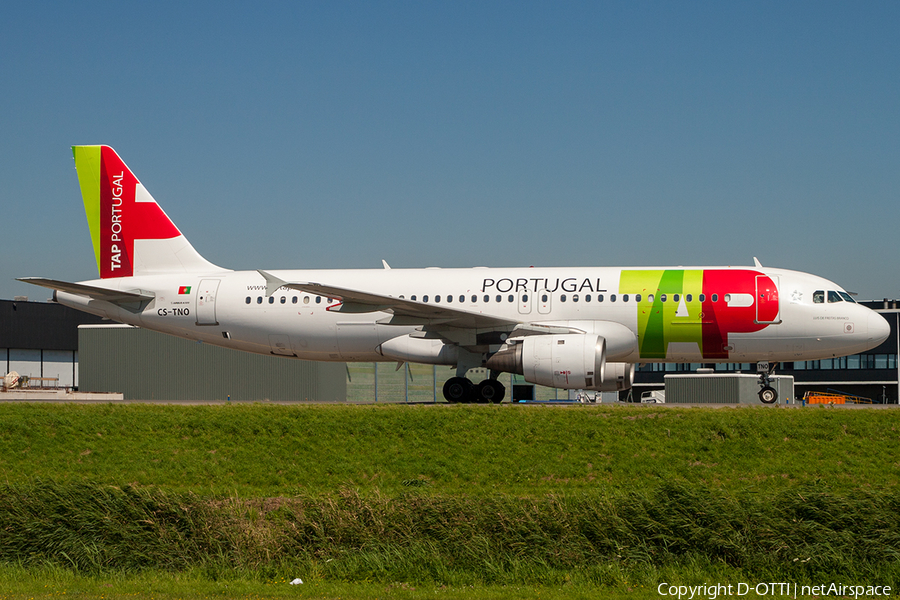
(336, 134)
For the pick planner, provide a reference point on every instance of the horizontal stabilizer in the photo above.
(89, 291)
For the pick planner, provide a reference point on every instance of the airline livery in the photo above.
(572, 328)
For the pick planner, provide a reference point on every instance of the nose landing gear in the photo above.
(767, 393)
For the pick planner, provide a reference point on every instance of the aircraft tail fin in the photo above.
(130, 232)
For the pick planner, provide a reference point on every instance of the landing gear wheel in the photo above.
(768, 395)
(458, 389)
(490, 390)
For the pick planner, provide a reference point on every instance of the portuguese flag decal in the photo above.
(185, 289)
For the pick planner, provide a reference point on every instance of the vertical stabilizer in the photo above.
(130, 232)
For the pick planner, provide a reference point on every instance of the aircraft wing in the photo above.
(90, 291)
(405, 312)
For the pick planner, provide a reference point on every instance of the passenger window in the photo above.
(283, 299)
(305, 299)
(499, 298)
(511, 298)
(587, 297)
(662, 297)
(637, 297)
(294, 300)
(702, 297)
(818, 297)
(574, 297)
(562, 298)
(425, 298)
(248, 299)
(271, 299)
(689, 298)
(474, 298)
(599, 297)
(612, 297)
(834, 296)
(259, 299)
(715, 297)
(624, 297)
(650, 298)
(437, 298)
(413, 297)
(544, 298)
(487, 298)
(524, 298)
(675, 298)
(449, 298)
(463, 298)
(318, 299)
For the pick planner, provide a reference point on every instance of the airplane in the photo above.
(563, 327)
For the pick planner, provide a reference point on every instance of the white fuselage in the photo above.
(232, 309)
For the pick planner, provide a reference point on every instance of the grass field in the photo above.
(263, 450)
(414, 501)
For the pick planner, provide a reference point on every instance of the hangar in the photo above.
(40, 339)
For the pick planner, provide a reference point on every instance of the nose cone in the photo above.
(879, 328)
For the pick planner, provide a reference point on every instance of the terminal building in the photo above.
(54, 345)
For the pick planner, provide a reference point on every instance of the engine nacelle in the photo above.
(617, 377)
(568, 361)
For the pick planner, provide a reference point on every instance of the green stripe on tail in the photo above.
(87, 164)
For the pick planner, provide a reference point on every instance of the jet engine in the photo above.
(617, 377)
(567, 361)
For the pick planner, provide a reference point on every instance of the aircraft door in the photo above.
(768, 310)
(206, 302)
(544, 299)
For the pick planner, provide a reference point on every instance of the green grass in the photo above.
(48, 582)
(440, 501)
(264, 450)
(598, 538)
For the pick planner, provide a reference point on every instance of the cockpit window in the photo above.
(818, 297)
(834, 296)
(847, 297)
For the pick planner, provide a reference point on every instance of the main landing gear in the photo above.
(461, 390)
(767, 394)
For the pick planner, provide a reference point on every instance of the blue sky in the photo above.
(335, 134)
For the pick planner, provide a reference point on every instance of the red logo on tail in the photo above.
(123, 219)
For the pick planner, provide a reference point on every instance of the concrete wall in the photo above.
(146, 365)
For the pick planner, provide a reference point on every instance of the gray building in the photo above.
(43, 341)
(40, 340)
(147, 365)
